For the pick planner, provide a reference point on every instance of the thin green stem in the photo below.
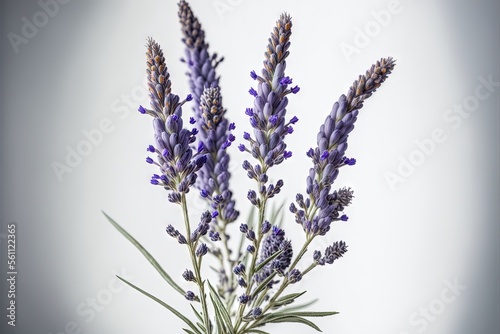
(196, 265)
(258, 240)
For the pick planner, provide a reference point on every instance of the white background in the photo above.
(438, 224)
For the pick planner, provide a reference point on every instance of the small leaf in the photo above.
(266, 261)
(263, 285)
(288, 299)
(168, 307)
(146, 254)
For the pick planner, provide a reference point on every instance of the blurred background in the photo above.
(423, 231)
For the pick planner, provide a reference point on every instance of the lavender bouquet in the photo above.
(253, 276)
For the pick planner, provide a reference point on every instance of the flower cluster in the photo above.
(267, 117)
(177, 160)
(209, 115)
(254, 273)
(323, 206)
(273, 243)
(201, 64)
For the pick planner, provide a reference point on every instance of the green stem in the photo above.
(250, 269)
(196, 265)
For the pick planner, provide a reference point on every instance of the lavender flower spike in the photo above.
(175, 157)
(162, 101)
(328, 156)
(214, 128)
(214, 176)
(268, 115)
(201, 64)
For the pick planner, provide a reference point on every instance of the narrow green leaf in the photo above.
(263, 285)
(266, 261)
(288, 299)
(218, 320)
(296, 319)
(200, 318)
(219, 306)
(188, 331)
(146, 254)
(168, 307)
(310, 314)
(296, 307)
(277, 215)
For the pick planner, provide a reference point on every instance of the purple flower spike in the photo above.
(253, 75)
(241, 147)
(274, 242)
(151, 149)
(142, 110)
(287, 154)
(177, 161)
(252, 92)
(325, 205)
(249, 112)
(335, 251)
(192, 120)
(294, 120)
(189, 97)
(214, 176)
(295, 89)
(202, 64)
(269, 109)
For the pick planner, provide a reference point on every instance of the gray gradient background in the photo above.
(441, 224)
